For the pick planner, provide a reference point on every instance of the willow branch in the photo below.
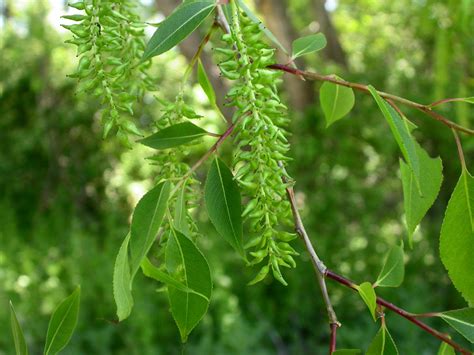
(400, 311)
(426, 109)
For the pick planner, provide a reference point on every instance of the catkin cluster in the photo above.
(261, 144)
(110, 42)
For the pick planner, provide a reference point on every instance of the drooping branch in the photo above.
(364, 88)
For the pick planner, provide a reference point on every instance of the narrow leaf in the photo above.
(416, 203)
(176, 27)
(308, 44)
(223, 204)
(336, 101)
(265, 30)
(205, 83)
(462, 320)
(401, 131)
(393, 270)
(367, 293)
(187, 264)
(445, 349)
(173, 136)
(180, 221)
(457, 237)
(62, 323)
(18, 337)
(146, 221)
(382, 344)
(122, 282)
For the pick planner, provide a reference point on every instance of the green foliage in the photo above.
(336, 101)
(367, 293)
(18, 336)
(206, 85)
(383, 343)
(462, 320)
(122, 281)
(176, 27)
(347, 352)
(186, 263)
(223, 204)
(173, 136)
(457, 233)
(418, 201)
(62, 323)
(308, 44)
(393, 271)
(445, 349)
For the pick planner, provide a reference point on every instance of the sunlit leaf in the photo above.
(382, 344)
(173, 136)
(188, 265)
(336, 101)
(416, 203)
(18, 337)
(401, 130)
(223, 204)
(180, 221)
(205, 83)
(308, 44)
(462, 320)
(122, 282)
(457, 237)
(146, 221)
(62, 323)
(445, 349)
(393, 270)
(177, 26)
(367, 293)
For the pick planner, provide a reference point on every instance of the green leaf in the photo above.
(382, 344)
(205, 83)
(62, 323)
(401, 129)
(173, 136)
(122, 282)
(336, 101)
(462, 320)
(185, 263)
(457, 237)
(469, 100)
(176, 27)
(393, 270)
(367, 293)
(308, 44)
(265, 30)
(446, 349)
(223, 204)
(180, 221)
(146, 221)
(18, 337)
(347, 352)
(431, 177)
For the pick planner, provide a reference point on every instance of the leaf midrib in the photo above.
(59, 326)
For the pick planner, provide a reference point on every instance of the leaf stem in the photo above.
(460, 150)
(364, 88)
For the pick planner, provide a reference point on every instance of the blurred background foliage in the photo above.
(66, 194)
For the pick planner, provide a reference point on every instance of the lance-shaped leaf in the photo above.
(446, 349)
(146, 221)
(416, 203)
(308, 44)
(393, 270)
(265, 29)
(336, 101)
(462, 320)
(367, 293)
(177, 26)
(180, 221)
(186, 263)
(457, 237)
(223, 204)
(205, 83)
(62, 323)
(122, 282)
(173, 136)
(401, 129)
(18, 337)
(382, 344)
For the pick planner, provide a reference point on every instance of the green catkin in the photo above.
(261, 144)
(110, 42)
